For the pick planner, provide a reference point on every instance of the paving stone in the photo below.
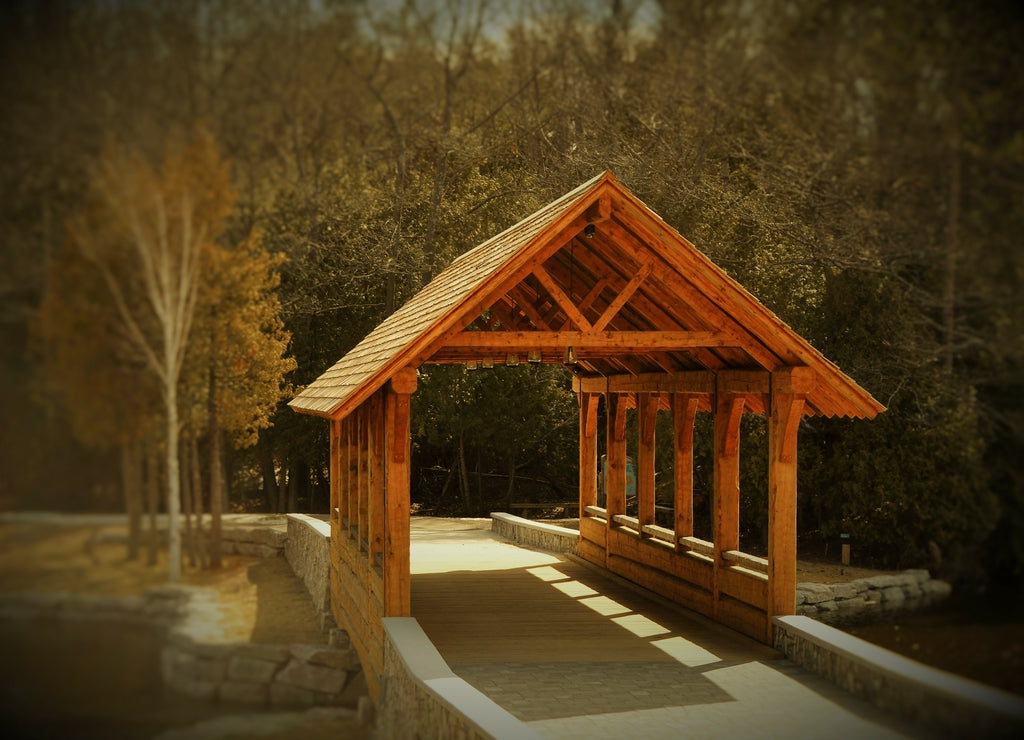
(844, 591)
(815, 593)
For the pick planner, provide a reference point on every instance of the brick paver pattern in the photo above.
(577, 653)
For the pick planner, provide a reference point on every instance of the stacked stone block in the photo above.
(865, 597)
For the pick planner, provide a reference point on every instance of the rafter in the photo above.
(624, 295)
(564, 301)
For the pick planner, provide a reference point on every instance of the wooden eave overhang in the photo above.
(600, 272)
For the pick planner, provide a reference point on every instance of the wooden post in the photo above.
(397, 402)
(588, 450)
(647, 411)
(335, 473)
(789, 389)
(375, 488)
(350, 478)
(728, 412)
(363, 485)
(684, 414)
(615, 468)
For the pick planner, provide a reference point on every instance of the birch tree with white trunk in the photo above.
(145, 232)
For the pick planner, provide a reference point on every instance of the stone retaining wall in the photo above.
(195, 662)
(535, 534)
(941, 701)
(865, 598)
(255, 535)
(308, 552)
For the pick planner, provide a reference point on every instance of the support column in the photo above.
(335, 473)
(376, 479)
(588, 450)
(789, 391)
(397, 403)
(350, 477)
(363, 485)
(615, 468)
(647, 412)
(726, 525)
(684, 414)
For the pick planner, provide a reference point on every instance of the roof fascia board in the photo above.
(548, 240)
(755, 315)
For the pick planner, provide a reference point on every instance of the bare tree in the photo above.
(145, 232)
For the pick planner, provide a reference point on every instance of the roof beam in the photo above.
(564, 301)
(618, 342)
(689, 381)
(624, 295)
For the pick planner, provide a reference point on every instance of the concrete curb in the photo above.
(942, 701)
(422, 697)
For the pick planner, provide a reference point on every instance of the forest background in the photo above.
(857, 166)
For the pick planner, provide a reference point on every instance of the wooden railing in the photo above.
(731, 588)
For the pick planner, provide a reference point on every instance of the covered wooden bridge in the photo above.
(596, 282)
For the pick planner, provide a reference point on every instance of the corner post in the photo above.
(789, 388)
(397, 403)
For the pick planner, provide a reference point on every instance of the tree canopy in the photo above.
(858, 167)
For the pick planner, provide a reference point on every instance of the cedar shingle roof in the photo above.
(631, 277)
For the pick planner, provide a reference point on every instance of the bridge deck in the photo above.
(576, 653)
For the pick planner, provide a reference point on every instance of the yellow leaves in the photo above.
(240, 337)
(150, 291)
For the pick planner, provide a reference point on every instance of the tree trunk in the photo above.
(216, 474)
(173, 480)
(266, 453)
(186, 504)
(467, 502)
(479, 503)
(131, 481)
(282, 489)
(196, 471)
(511, 480)
(152, 499)
(952, 244)
(295, 476)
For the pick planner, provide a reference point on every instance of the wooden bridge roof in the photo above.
(598, 271)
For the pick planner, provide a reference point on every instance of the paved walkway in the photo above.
(577, 653)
